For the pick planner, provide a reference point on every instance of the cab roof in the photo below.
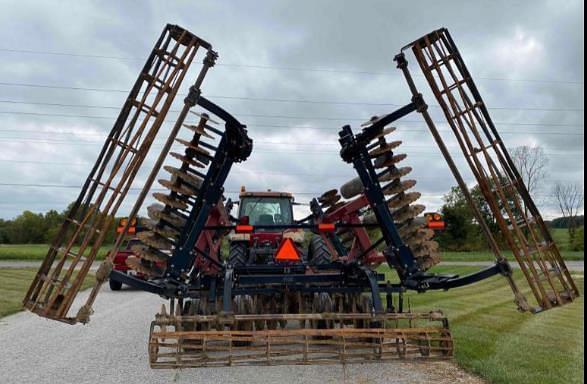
(266, 194)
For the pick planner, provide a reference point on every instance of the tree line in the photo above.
(38, 228)
(463, 232)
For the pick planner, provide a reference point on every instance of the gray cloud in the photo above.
(499, 40)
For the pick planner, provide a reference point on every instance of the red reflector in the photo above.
(287, 251)
(244, 229)
(436, 225)
(326, 227)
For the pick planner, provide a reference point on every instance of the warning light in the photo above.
(123, 222)
(436, 225)
(326, 227)
(243, 228)
(287, 251)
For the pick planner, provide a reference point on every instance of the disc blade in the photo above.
(136, 264)
(388, 161)
(168, 200)
(155, 240)
(199, 130)
(149, 253)
(185, 159)
(395, 173)
(403, 199)
(182, 189)
(204, 116)
(397, 186)
(387, 147)
(193, 146)
(407, 213)
(193, 180)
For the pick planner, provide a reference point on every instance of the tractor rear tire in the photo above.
(319, 253)
(115, 285)
(237, 256)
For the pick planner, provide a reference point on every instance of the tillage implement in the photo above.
(263, 288)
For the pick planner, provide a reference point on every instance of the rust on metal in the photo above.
(465, 111)
(74, 249)
(209, 341)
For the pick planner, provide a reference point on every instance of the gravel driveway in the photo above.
(112, 348)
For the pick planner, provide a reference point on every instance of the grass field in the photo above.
(14, 284)
(560, 235)
(34, 251)
(495, 341)
(488, 256)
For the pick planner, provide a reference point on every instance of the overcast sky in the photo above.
(321, 64)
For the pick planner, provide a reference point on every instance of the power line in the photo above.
(318, 128)
(273, 67)
(298, 117)
(332, 129)
(275, 100)
(289, 151)
(65, 186)
(316, 194)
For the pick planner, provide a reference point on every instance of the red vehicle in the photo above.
(258, 209)
(120, 264)
(435, 221)
(120, 260)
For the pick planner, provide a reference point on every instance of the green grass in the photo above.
(488, 256)
(13, 286)
(35, 251)
(560, 236)
(502, 345)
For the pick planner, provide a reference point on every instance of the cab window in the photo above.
(266, 210)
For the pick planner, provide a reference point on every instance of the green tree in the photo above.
(462, 232)
(27, 228)
(3, 231)
(53, 222)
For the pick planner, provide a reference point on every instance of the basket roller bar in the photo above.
(540, 261)
(63, 270)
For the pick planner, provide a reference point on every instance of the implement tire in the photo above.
(238, 255)
(318, 252)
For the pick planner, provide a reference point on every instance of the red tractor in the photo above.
(259, 239)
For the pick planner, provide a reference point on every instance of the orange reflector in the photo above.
(326, 227)
(287, 251)
(244, 229)
(131, 230)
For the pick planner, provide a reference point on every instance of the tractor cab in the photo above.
(265, 217)
(265, 209)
